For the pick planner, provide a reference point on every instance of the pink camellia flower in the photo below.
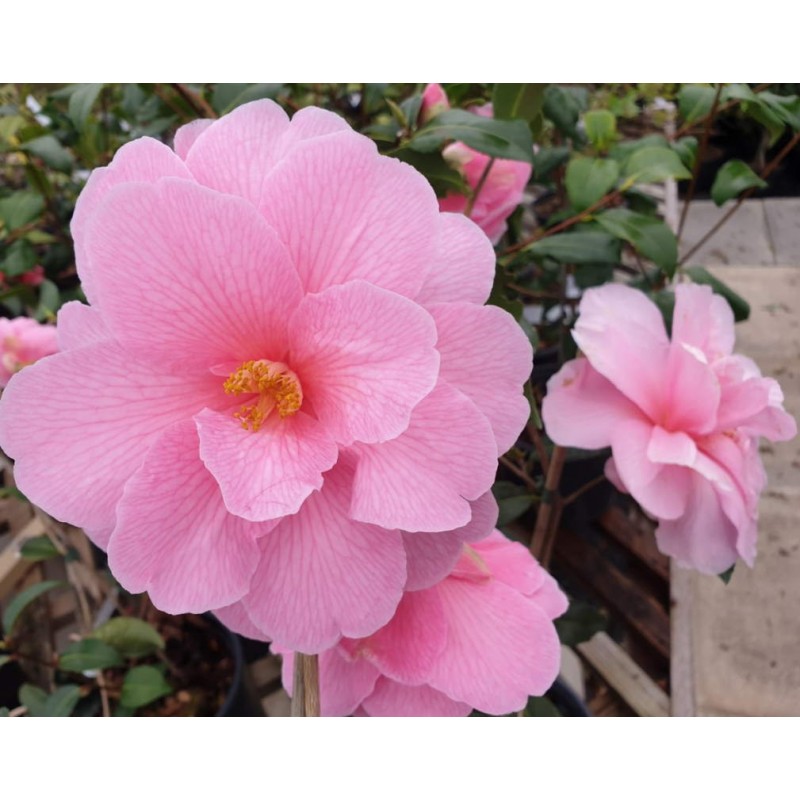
(34, 277)
(285, 375)
(502, 190)
(22, 342)
(682, 417)
(483, 637)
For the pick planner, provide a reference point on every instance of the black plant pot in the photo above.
(241, 700)
(566, 701)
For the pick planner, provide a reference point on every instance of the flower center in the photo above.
(276, 387)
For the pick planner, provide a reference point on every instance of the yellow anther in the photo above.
(277, 387)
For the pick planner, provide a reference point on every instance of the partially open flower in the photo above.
(481, 638)
(682, 417)
(22, 342)
(285, 365)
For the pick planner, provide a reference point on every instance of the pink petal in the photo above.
(501, 647)
(343, 682)
(703, 320)
(662, 490)
(582, 408)
(187, 135)
(236, 618)
(391, 699)
(99, 536)
(424, 479)
(622, 334)
(191, 277)
(80, 325)
(323, 576)
(365, 358)
(666, 447)
(703, 538)
(470, 339)
(691, 393)
(143, 160)
(268, 473)
(550, 598)
(431, 556)
(174, 537)
(345, 213)
(79, 424)
(237, 153)
(464, 267)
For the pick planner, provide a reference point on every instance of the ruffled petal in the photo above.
(392, 699)
(80, 325)
(187, 135)
(703, 320)
(236, 618)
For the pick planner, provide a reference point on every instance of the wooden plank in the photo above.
(12, 565)
(638, 540)
(625, 676)
(639, 610)
(681, 668)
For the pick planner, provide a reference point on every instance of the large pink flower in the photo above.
(502, 190)
(286, 371)
(682, 417)
(483, 638)
(23, 341)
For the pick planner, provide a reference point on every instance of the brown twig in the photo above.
(765, 173)
(519, 472)
(538, 443)
(481, 181)
(198, 103)
(690, 126)
(541, 533)
(571, 498)
(305, 694)
(701, 152)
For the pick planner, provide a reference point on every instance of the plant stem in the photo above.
(699, 159)
(684, 129)
(305, 696)
(765, 173)
(571, 498)
(481, 181)
(195, 100)
(519, 472)
(539, 540)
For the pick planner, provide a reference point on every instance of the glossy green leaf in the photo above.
(589, 179)
(228, 96)
(540, 707)
(51, 151)
(89, 654)
(695, 101)
(19, 259)
(512, 500)
(622, 151)
(654, 165)
(650, 237)
(601, 128)
(548, 159)
(21, 601)
(441, 176)
(62, 702)
(518, 101)
(580, 622)
(38, 548)
(33, 698)
(20, 208)
(739, 306)
(132, 637)
(686, 148)
(49, 301)
(142, 686)
(81, 102)
(577, 247)
(733, 178)
(510, 139)
(588, 275)
(563, 107)
(766, 113)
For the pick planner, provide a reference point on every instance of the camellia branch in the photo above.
(481, 181)
(305, 695)
(539, 540)
(197, 102)
(689, 126)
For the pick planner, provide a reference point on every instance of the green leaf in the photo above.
(20, 258)
(587, 275)
(540, 707)
(622, 151)
(694, 101)
(142, 686)
(548, 159)
(21, 208)
(51, 151)
(739, 306)
(580, 622)
(518, 101)
(650, 237)
(49, 301)
(89, 654)
(499, 294)
(577, 247)
(33, 698)
(22, 600)
(81, 102)
(686, 148)
(228, 96)
(5, 712)
(563, 107)
(654, 165)
(726, 576)
(38, 548)
(589, 179)
(441, 176)
(601, 128)
(133, 638)
(498, 138)
(733, 178)
(62, 702)
(766, 113)
(512, 500)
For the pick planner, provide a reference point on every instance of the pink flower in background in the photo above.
(22, 342)
(502, 190)
(285, 384)
(481, 638)
(33, 277)
(682, 417)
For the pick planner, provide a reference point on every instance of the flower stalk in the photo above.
(305, 697)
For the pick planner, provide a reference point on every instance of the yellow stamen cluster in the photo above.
(275, 384)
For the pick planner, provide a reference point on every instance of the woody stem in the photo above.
(305, 698)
